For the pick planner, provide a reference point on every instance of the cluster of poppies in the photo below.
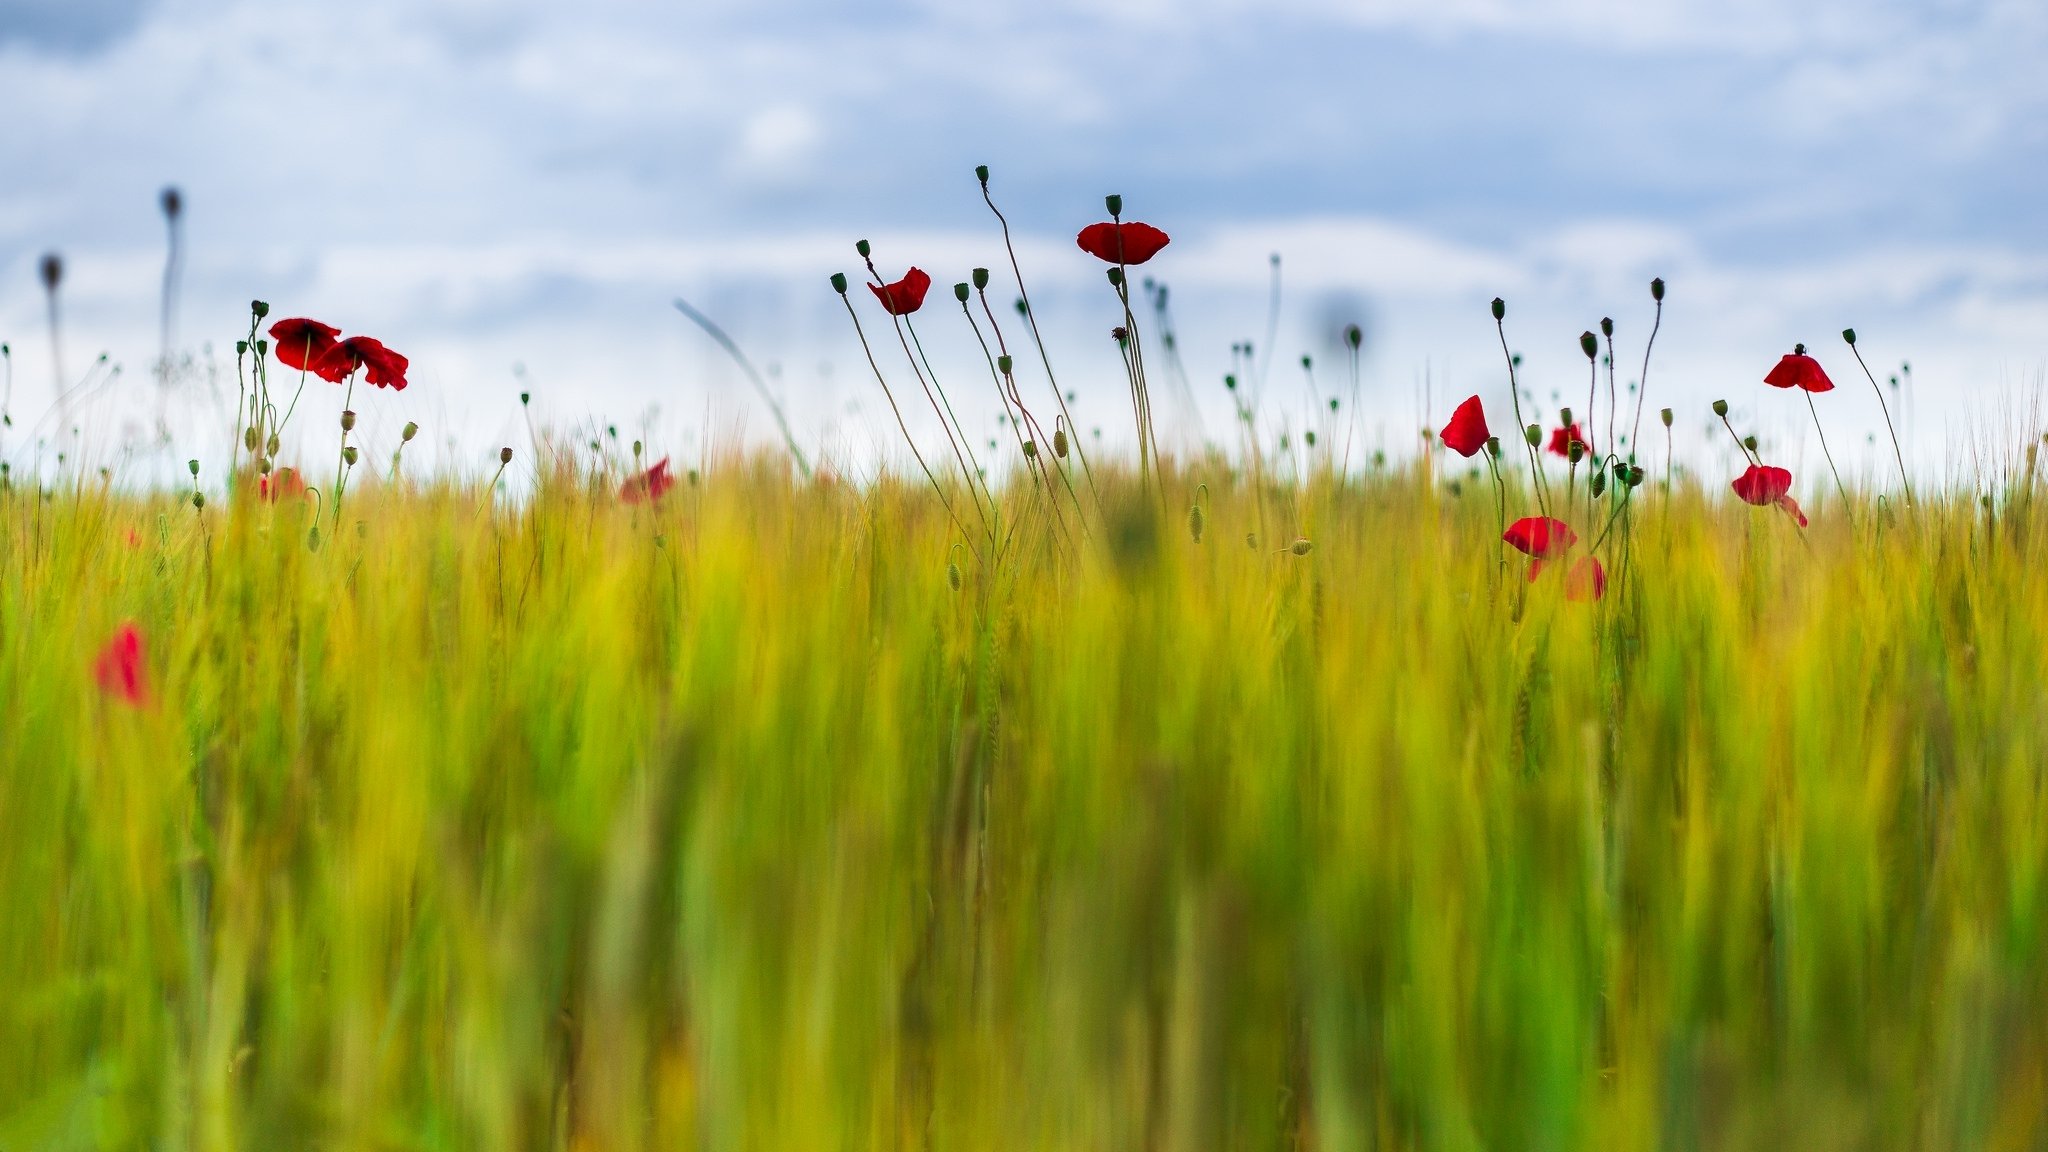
(311, 346)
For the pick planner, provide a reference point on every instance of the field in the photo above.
(764, 815)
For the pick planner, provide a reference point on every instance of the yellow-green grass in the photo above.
(729, 823)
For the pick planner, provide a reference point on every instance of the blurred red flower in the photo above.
(648, 485)
(119, 666)
(380, 365)
(1540, 537)
(1126, 243)
(283, 482)
(1586, 581)
(1798, 370)
(306, 345)
(1466, 433)
(904, 296)
(1561, 440)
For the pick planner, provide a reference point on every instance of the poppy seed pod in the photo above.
(262, 347)
(348, 420)
(861, 246)
(1230, 382)
(349, 454)
(1493, 447)
(1635, 476)
(525, 398)
(1607, 326)
(53, 271)
(1251, 541)
(173, 203)
(1309, 438)
(981, 174)
(1564, 417)
(961, 291)
(1302, 546)
(249, 439)
(1749, 442)
(262, 466)
(980, 278)
(270, 445)
(411, 430)
(636, 449)
(192, 466)
(839, 283)
(1721, 408)
(1589, 344)
(1031, 449)
(1665, 415)
(1849, 334)
(1534, 434)
(1576, 450)
(1003, 364)
(1657, 289)
(199, 500)
(504, 455)
(953, 575)
(1500, 308)
(1114, 203)
(241, 348)
(1116, 277)
(1306, 363)
(1059, 443)
(1354, 335)
(259, 309)
(1196, 522)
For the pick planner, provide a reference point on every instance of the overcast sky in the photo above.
(529, 183)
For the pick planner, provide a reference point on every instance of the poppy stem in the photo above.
(1844, 492)
(1037, 430)
(1515, 395)
(1747, 455)
(1643, 385)
(732, 349)
(341, 459)
(1897, 453)
(1018, 426)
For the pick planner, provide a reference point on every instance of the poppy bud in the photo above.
(1003, 364)
(981, 174)
(1059, 443)
(192, 466)
(1721, 408)
(1564, 417)
(1500, 308)
(249, 439)
(1354, 335)
(259, 309)
(1302, 546)
(1534, 434)
(172, 202)
(861, 246)
(1635, 476)
(411, 430)
(980, 278)
(313, 538)
(1607, 327)
(199, 500)
(1114, 203)
(1849, 334)
(1251, 541)
(1657, 289)
(953, 575)
(262, 466)
(1333, 403)
(241, 348)
(262, 347)
(525, 398)
(348, 421)
(1306, 363)
(1116, 277)
(1589, 344)
(1493, 447)
(961, 291)
(1309, 438)
(1023, 309)
(1799, 349)
(839, 283)
(53, 271)
(504, 455)
(349, 454)
(1576, 450)
(1666, 415)
(270, 445)
(1230, 382)
(1031, 449)
(1599, 484)
(1749, 442)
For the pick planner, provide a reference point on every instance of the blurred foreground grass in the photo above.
(728, 823)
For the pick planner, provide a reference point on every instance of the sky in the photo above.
(513, 192)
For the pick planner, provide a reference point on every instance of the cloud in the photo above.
(68, 26)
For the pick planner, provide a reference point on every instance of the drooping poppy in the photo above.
(119, 667)
(1122, 243)
(1798, 370)
(380, 365)
(1466, 433)
(648, 485)
(1764, 486)
(1586, 581)
(1540, 537)
(1561, 440)
(904, 296)
(306, 345)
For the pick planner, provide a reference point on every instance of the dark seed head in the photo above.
(980, 278)
(411, 430)
(981, 174)
(1607, 327)
(861, 246)
(1665, 415)
(1500, 308)
(1114, 203)
(961, 291)
(504, 455)
(259, 309)
(1589, 344)
(1721, 408)
(1849, 334)
(839, 283)
(1657, 290)
(173, 203)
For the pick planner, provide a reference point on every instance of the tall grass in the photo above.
(727, 822)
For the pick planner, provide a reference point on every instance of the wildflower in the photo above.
(1562, 439)
(119, 666)
(648, 485)
(904, 296)
(306, 345)
(1122, 243)
(1798, 370)
(1586, 581)
(1540, 537)
(1764, 486)
(1466, 434)
(379, 365)
(285, 482)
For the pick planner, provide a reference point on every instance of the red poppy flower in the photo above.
(1466, 433)
(904, 296)
(1764, 486)
(1586, 581)
(1561, 440)
(1540, 537)
(283, 482)
(305, 344)
(648, 485)
(119, 666)
(1798, 370)
(380, 365)
(1127, 243)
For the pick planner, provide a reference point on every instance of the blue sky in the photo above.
(524, 182)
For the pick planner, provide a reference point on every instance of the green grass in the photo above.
(728, 823)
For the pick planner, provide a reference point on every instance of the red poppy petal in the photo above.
(1126, 243)
(1586, 581)
(1466, 433)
